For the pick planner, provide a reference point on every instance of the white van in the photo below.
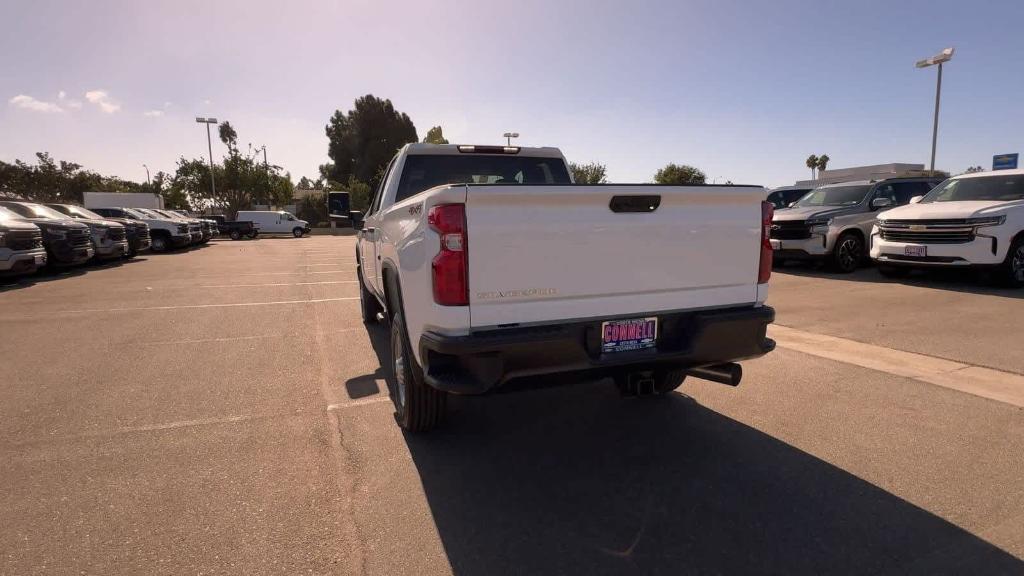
(275, 222)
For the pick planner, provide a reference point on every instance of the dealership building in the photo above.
(874, 172)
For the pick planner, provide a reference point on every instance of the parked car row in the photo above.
(33, 235)
(967, 221)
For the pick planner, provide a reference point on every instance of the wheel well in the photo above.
(857, 231)
(390, 294)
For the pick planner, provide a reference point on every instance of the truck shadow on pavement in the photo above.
(966, 281)
(577, 480)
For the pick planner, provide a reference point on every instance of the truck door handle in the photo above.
(645, 203)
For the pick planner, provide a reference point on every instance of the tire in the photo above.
(236, 235)
(1011, 272)
(418, 407)
(848, 253)
(297, 232)
(253, 234)
(158, 243)
(665, 381)
(893, 271)
(368, 303)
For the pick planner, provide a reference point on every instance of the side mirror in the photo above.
(916, 199)
(357, 219)
(791, 204)
(881, 203)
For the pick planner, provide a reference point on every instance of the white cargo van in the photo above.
(275, 222)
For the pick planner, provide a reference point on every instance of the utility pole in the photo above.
(944, 56)
(209, 146)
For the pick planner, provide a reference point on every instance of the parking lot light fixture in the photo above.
(509, 136)
(944, 56)
(209, 146)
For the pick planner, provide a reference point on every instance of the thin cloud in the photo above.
(153, 113)
(103, 100)
(29, 103)
(62, 97)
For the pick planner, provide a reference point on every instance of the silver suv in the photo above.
(833, 222)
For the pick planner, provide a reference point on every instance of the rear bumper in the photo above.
(483, 361)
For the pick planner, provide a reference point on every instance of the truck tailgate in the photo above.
(543, 253)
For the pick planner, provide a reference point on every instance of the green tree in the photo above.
(358, 194)
(812, 163)
(305, 184)
(435, 136)
(241, 179)
(679, 174)
(590, 173)
(973, 169)
(365, 138)
(822, 163)
(227, 134)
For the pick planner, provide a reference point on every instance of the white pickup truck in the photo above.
(491, 265)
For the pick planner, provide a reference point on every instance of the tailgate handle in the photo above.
(647, 203)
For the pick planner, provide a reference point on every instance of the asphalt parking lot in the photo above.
(223, 410)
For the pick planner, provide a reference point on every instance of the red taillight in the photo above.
(451, 282)
(764, 271)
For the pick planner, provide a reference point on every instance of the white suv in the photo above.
(972, 220)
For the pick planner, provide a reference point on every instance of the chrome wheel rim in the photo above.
(849, 253)
(398, 365)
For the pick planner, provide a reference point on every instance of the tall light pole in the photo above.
(509, 136)
(944, 56)
(148, 181)
(209, 145)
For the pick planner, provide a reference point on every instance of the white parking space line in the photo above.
(1006, 387)
(280, 284)
(193, 306)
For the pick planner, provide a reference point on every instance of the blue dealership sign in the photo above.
(1004, 161)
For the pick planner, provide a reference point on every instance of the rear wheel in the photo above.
(418, 406)
(254, 234)
(1012, 270)
(848, 252)
(235, 235)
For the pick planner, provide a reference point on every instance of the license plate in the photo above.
(40, 259)
(776, 244)
(625, 335)
(915, 251)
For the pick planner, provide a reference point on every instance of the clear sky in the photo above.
(743, 90)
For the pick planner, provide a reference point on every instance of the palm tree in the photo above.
(812, 163)
(823, 162)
